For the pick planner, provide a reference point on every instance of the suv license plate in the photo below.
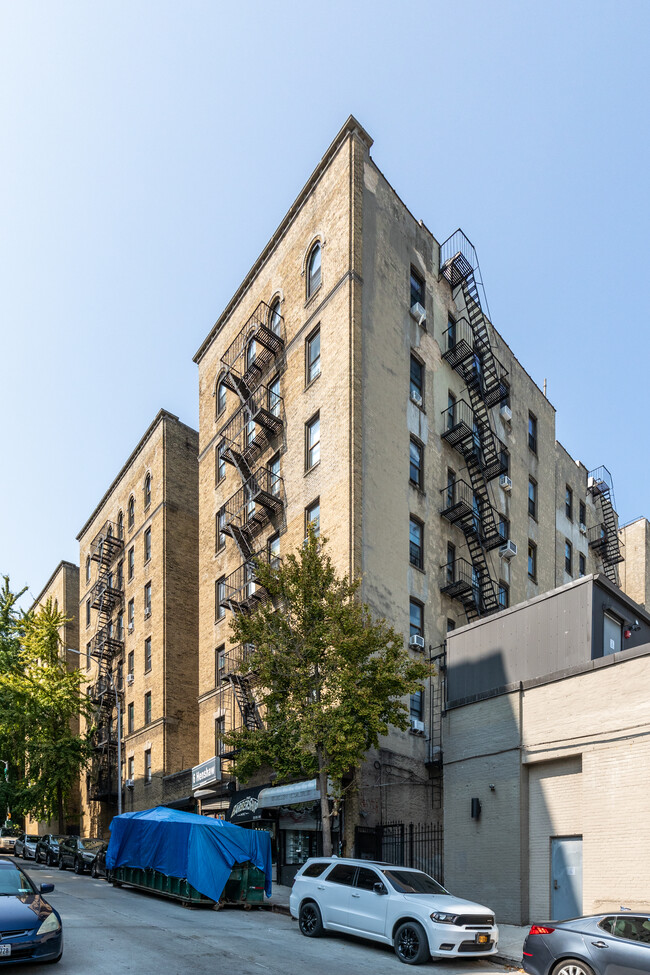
(5, 950)
(482, 939)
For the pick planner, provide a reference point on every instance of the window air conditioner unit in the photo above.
(509, 550)
(130, 678)
(417, 727)
(130, 627)
(506, 413)
(418, 313)
(415, 396)
(129, 783)
(505, 483)
(583, 528)
(417, 642)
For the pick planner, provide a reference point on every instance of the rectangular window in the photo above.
(120, 626)
(120, 575)
(416, 531)
(147, 545)
(451, 487)
(416, 474)
(532, 561)
(131, 562)
(582, 565)
(417, 288)
(451, 411)
(417, 381)
(147, 767)
(568, 556)
(147, 655)
(532, 432)
(312, 517)
(416, 613)
(147, 600)
(583, 513)
(220, 541)
(220, 464)
(130, 718)
(504, 595)
(130, 766)
(451, 560)
(219, 732)
(274, 469)
(88, 646)
(219, 596)
(274, 399)
(87, 612)
(451, 333)
(451, 626)
(147, 708)
(504, 527)
(532, 498)
(130, 662)
(312, 442)
(416, 706)
(131, 615)
(274, 551)
(568, 503)
(312, 356)
(219, 664)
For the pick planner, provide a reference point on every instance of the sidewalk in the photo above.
(511, 937)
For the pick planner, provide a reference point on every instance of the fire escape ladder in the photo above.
(241, 685)
(606, 540)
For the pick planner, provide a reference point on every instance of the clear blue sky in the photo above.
(149, 149)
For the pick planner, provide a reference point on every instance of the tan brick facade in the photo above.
(369, 244)
(157, 659)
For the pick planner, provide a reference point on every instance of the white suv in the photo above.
(394, 905)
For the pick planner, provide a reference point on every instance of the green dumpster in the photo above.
(245, 886)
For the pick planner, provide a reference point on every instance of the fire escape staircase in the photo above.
(242, 679)
(106, 596)
(252, 507)
(256, 348)
(604, 538)
(252, 429)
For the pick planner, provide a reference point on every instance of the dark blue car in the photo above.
(603, 944)
(30, 928)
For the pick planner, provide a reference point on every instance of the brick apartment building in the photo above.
(138, 625)
(355, 382)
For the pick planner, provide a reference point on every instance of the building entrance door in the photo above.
(566, 877)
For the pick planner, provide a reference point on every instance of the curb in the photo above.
(505, 960)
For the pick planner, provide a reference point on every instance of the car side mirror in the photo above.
(46, 888)
(379, 889)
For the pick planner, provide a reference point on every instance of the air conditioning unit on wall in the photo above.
(506, 413)
(130, 678)
(505, 483)
(417, 727)
(417, 642)
(418, 313)
(129, 784)
(415, 396)
(509, 550)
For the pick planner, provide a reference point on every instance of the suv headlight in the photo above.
(443, 918)
(49, 925)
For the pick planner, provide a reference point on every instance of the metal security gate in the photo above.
(418, 845)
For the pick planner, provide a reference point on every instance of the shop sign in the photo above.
(207, 773)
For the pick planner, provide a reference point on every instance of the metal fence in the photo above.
(418, 845)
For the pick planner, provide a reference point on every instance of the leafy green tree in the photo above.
(40, 700)
(331, 680)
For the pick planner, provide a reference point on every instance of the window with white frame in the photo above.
(312, 442)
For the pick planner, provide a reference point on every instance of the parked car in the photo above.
(26, 846)
(47, 849)
(98, 863)
(31, 928)
(396, 906)
(597, 945)
(8, 837)
(78, 852)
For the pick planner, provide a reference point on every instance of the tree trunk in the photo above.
(59, 801)
(351, 814)
(325, 812)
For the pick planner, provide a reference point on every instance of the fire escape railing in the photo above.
(255, 348)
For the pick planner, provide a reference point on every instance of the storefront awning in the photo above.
(288, 795)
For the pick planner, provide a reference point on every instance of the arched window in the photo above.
(313, 270)
(221, 398)
(275, 319)
(251, 352)
(120, 525)
(88, 568)
(147, 490)
(131, 510)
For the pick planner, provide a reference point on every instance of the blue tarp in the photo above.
(179, 844)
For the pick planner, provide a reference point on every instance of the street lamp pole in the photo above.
(119, 730)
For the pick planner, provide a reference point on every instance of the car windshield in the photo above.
(56, 839)
(31, 839)
(14, 882)
(91, 844)
(413, 882)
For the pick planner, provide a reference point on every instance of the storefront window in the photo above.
(299, 843)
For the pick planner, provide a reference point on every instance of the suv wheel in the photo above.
(93, 870)
(309, 920)
(61, 862)
(78, 866)
(410, 943)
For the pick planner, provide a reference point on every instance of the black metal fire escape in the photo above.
(260, 501)
(468, 428)
(107, 597)
(603, 538)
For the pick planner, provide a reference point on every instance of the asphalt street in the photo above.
(118, 930)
